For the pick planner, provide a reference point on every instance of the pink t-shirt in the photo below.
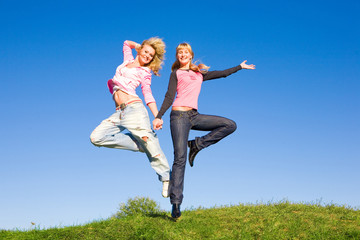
(128, 79)
(188, 88)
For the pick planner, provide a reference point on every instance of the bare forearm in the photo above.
(153, 108)
(133, 44)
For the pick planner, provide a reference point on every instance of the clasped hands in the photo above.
(157, 123)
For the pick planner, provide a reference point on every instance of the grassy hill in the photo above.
(141, 218)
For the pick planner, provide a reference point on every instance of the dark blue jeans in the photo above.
(180, 123)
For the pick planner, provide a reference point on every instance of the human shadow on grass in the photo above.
(164, 216)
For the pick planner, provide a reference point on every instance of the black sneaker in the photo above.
(193, 151)
(176, 213)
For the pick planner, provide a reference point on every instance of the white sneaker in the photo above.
(165, 190)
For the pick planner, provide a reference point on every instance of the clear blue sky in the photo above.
(298, 115)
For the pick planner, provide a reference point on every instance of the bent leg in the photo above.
(219, 128)
(109, 134)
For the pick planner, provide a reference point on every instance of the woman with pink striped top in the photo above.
(131, 114)
(185, 82)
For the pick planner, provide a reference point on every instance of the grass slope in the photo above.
(281, 220)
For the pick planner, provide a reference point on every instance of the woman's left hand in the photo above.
(245, 66)
(137, 47)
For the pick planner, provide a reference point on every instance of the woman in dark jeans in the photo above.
(185, 82)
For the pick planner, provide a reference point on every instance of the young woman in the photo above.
(185, 82)
(131, 114)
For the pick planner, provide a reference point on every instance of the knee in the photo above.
(94, 140)
(179, 163)
(231, 126)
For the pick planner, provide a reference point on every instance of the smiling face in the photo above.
(184, 57)
(146, 55)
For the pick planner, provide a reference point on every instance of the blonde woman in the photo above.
(185, 82)
(131, 114)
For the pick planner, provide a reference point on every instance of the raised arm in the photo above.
(127, 49)
(133, 44)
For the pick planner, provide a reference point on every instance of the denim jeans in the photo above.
(180, 123)
(139, 138)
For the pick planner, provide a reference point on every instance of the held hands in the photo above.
(157, 123)
(245, 66)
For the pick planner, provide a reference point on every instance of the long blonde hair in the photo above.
(159, 46)
(196, 68)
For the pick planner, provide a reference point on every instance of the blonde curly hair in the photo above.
(159, 46)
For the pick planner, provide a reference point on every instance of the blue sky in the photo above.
(297, 113)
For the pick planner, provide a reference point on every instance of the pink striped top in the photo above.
(128, 79)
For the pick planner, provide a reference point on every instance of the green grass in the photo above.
(140, 218)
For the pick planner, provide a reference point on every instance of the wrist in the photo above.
(137, 46)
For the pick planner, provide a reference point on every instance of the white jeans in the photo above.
(140, 138)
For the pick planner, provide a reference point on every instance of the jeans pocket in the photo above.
(176, 115)
(180, 115)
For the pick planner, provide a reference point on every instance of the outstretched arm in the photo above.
(224, 73)
(220, 74)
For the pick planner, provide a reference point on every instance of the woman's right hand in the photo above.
(135, 45)
(157, 123)
(245, 66)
